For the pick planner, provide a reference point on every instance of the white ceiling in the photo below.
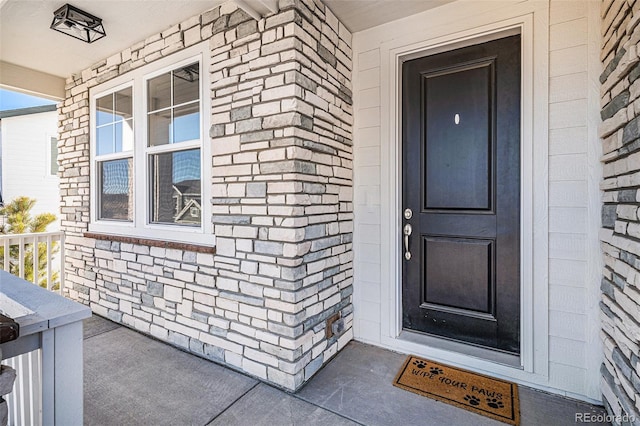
(358, 15)
(26, 39)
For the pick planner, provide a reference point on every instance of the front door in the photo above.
(461, 194)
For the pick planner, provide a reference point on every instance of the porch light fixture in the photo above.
(78, 24)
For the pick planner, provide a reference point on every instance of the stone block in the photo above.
(172, 294)
(611, 66)
(220, 24)
(615, 105)
(269, 108)
(631, 130)
(249, 125)
(247, 28)
(226, 145)
(239, 16)
(241, 113)
(210, 16)
(155, 288)
(192, 36)
(327, 55)
(257, 189)
(627, 211)
(313, 367)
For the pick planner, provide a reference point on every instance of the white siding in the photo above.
(367, 195)
(574, 172)
(25, 161)
(573, 353)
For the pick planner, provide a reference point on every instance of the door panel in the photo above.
(446, 284)
(461, 179)
(458, 106)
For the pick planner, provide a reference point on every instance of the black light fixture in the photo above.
(78, 24)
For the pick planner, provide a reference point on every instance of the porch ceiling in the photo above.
(358, 15)
(27, 44)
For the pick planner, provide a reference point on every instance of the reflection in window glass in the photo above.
(174, 106)
(104, 110)
(104, 140)
(186, 84)
(186, 123)
(159, 92)
(160, 127)
(124, 136)
(123, 104)
(114, 122)
(116, 190)
(176, 196)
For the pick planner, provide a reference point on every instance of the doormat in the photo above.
(480, 394)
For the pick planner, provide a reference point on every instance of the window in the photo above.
(114, 155)
(148, 151)
(173, 145)
(53, 156)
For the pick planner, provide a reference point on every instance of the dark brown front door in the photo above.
(461, 181)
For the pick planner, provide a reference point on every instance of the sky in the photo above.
(13, 100)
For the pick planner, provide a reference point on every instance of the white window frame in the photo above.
(122, 155)
(141, 226)
(47, 173)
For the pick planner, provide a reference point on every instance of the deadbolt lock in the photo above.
(408, 214)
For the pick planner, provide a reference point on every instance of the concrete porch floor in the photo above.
(135, 380)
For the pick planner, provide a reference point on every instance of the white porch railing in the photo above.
(39, 258)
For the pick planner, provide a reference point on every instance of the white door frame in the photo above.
(527, 18)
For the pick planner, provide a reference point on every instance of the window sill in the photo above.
(152, 243)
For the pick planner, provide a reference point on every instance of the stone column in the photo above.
(620, 134)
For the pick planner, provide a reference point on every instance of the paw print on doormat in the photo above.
(473, 400)
(436, 370)
(494, 403)
(420, 364)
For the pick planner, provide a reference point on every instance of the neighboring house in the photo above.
(434, 182)
(188, 203)
(29, 158)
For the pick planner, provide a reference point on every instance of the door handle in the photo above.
(407, 231)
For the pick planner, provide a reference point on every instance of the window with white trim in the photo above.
(114, 155)
(148, 151)
(52, 158)
(173, 146)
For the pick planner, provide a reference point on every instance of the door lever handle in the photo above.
(407, 231)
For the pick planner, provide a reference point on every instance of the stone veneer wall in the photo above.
(620, 235)
(282, 198)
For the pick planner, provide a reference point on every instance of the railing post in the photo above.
(7, 262)
(21, 256)
(49, 274)
(36, 255)
(62, 262)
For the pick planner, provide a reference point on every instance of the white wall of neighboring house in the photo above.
(27, 163)
(561, 170)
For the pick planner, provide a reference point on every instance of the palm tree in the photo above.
(20, 221)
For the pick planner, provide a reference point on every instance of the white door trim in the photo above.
(528, 18)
